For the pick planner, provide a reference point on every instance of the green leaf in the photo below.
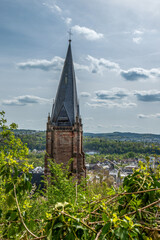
(49, 236)
(8, 187)
(70, 236)
(106, 228)
(139, 214)
(104, 217)
(156, 183)
(58, 225)
(123, 211)
(10, 200)
(11, 215)
(122, 234)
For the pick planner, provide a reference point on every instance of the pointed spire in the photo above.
(70, 34)
(66, 107)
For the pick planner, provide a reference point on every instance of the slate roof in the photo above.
(66, 106)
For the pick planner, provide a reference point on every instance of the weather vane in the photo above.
(70, 34)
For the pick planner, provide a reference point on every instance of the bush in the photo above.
(65, 210)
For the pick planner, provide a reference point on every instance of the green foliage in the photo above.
(36, 158)
(66, 210)
(14, 171)
(33, 139)
(104, 146)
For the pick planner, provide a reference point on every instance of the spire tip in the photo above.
(70, 34)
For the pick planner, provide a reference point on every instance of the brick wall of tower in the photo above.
(64, 143)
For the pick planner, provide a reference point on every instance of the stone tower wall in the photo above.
(64, 143)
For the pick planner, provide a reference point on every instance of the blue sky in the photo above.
(115, 46)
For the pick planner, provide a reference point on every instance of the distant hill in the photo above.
(126, 136)
(37, 139)
(34, 139)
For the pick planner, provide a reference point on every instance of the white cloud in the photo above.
(80, 67)
(85, 94)
(114, 98)
(96, 103)
(54, 64)
(137, 36)
(113, 94)
(99, 65)
(148, 96)
(88, 33)
(95, 66)
(25, 100)
(137, 40)
(57, 8)
(138, 32)
(53, 7)
(148, 116)
(68, 20)
(121, 95)
(155, 72)
(134, 74)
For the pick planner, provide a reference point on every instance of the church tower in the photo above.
(64, 135)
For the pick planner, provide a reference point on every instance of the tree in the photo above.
(14, 178)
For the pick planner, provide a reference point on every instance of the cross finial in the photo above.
(70, 34)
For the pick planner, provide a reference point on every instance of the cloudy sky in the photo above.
(116, 52)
